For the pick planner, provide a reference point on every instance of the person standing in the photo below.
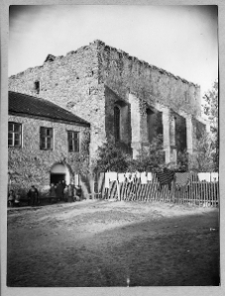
(11, 198)
(17, 200)
(60, 190)
(70, 192)
(66, 193)
(33, 195)
(78, 193)
(52, 191)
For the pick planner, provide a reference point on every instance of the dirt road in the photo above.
(100, 243)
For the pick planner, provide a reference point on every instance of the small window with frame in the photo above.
(14, 134)
(73, 141)
(46, 138)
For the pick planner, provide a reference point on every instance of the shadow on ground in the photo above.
(105, 245)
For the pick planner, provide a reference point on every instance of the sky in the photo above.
(180, 39)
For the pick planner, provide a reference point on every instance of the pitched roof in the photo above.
(22, 104)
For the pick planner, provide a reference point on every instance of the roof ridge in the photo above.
(55, 111)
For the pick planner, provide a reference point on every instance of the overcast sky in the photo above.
(179, 39)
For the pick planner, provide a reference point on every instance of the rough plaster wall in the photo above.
(112, 100)
(29, 164)
(70, 81)
(122, 72)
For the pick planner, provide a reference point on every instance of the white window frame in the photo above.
(13, 134)
(45, 138)
(73, 145)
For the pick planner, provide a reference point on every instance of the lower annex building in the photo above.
(44, 143)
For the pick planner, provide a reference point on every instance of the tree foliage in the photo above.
(204, 158)
(111, 158)
(210, 106)
(151, 159)
(210, 109)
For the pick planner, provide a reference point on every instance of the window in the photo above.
(150, 124)
(37, 86)
(46, 138)
(73, 141)
(200, 129)
(117, 123)
(172, 130)
(14, 134)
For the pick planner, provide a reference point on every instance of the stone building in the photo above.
(120, 96)
(44, 142)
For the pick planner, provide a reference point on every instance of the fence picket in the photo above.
(194, 192)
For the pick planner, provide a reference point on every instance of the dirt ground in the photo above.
(102, 243)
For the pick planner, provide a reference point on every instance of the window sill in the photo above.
(76, 152)
(14, 147)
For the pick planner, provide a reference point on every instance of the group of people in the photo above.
(60, 191)
(65, 192)
(14, 199)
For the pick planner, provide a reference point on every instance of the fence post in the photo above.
(118, 189)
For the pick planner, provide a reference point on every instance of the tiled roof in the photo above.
(22, 104)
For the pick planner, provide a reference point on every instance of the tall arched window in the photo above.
(117, 123)
(150, 124)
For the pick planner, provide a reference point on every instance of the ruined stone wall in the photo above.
(123, 73)
(70, 81)
(112, 100)
(30, 165)
(79, 80)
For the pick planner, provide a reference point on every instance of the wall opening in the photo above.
(60, 172)
(200, 129)
(117, 125)
(37, 86)
(181, 133)
(154, 124)
(150, 124)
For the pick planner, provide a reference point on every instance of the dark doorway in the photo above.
(56, 178)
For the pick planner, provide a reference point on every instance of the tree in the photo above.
(151, 159)
(210, 109)
(116, 158)
(111, 157)
(204, 158)
(210, 106)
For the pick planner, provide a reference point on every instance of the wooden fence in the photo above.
(194, 192)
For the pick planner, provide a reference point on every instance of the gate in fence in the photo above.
(133, 187)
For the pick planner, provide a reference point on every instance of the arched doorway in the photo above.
(60, 172)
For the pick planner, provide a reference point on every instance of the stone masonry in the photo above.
(94, 79)
(32, 165)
